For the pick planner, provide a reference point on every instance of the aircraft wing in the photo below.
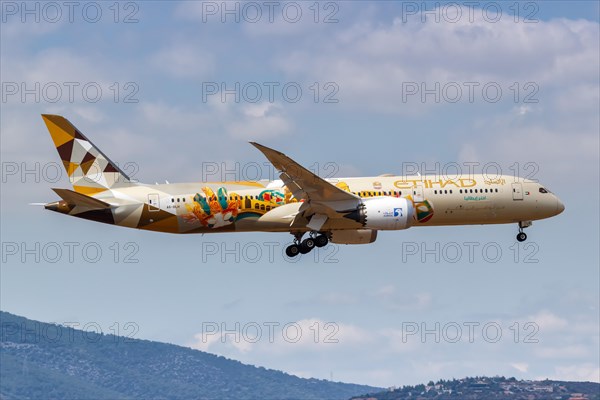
(320, 197)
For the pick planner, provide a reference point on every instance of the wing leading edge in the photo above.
(322, 200)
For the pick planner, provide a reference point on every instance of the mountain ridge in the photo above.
(490, 388)
(77, 364)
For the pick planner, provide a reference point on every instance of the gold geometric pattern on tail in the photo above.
(89, 170)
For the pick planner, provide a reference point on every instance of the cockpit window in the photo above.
(544, 190)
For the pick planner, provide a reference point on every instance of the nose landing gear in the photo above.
(522, 236)
(300, 246)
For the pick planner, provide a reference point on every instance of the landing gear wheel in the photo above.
(292, 250)
(521, 236)
(307, 245)
(321, 240)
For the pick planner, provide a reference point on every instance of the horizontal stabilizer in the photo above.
(81, 200)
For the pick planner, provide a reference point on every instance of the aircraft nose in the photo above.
(560, 207)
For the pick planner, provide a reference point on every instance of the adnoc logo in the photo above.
(395, 212)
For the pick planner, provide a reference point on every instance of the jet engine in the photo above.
(384, 213)
(353, 236)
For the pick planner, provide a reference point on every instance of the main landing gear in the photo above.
(300, 246)
(522, 236)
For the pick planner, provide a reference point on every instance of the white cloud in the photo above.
(306, 335)
(578, 372)
(171, 137)
(392, 299)
(184, 61)
(203, 341)
(260, 121)
(520, 366)
(90, 113)
(560, 153)
(372, 62)
(14, 28)
(338, 298)
(568, 352)
(548, 321)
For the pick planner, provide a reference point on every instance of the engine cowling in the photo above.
(353, 236)
(384, 213)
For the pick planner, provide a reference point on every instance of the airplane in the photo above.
(342, 210)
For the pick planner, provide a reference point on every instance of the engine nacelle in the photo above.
(384, 213)
(353, 236)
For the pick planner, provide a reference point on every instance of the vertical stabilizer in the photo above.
(89, 170)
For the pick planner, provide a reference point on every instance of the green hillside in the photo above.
(38, 363)
(494, 388)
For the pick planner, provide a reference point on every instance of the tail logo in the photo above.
(89, 170)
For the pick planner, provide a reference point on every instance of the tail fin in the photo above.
(89, 170)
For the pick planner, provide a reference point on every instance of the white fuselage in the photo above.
(455, 201)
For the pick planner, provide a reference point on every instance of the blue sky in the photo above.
(546, 120)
